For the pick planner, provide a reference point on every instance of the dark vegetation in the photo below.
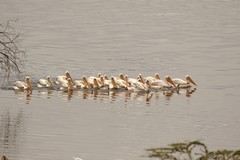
(194, 150)
(12, 55)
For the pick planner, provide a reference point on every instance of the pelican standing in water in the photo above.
(21, 86)
(184, 83)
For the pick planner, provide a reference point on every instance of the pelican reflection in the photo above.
(125, 96)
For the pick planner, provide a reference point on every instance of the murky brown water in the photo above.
(199, 38)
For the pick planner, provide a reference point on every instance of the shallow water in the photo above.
(199, 38)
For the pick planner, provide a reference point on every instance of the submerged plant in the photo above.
(194, 150)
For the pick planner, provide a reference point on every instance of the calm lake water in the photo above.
(176, 38)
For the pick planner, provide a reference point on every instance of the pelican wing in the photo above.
(160, 83)
(179, 81)
(64, 84)
(61, 78)
(20, 85)
(140, 86)
(132, 80)
(43, 83)
(121, 83)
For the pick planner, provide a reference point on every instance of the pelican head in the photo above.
(140, 77)
(113, 80)
(27, 78)
(95, 82)
(67, 74)
(101, 78)
(99, 75)
(148, 84)
(84, 78)
(126, 78)
(121, 76)
(28, 83)
(189, 79)
(105, 77)
(157, 76)
(50, 81)
(169, 80)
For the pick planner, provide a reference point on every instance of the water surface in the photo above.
(199, 38)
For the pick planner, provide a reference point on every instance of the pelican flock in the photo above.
(102, 82)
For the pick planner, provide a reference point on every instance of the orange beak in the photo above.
(190, 80)
(168, 79)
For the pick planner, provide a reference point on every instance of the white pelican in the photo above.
(141, 86)
(79, 83)
(96, 84)
(91, 81)
(183, 83)
(86, 83)
(130, 87)
(121, 83)
(152, 87)
(64, 78)
(113, 84)
(130, 80)
(67, 85)
(21, 86)
(104, 82)
(169, 81)
(99, 78)
(45, 83)
(162, 84)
